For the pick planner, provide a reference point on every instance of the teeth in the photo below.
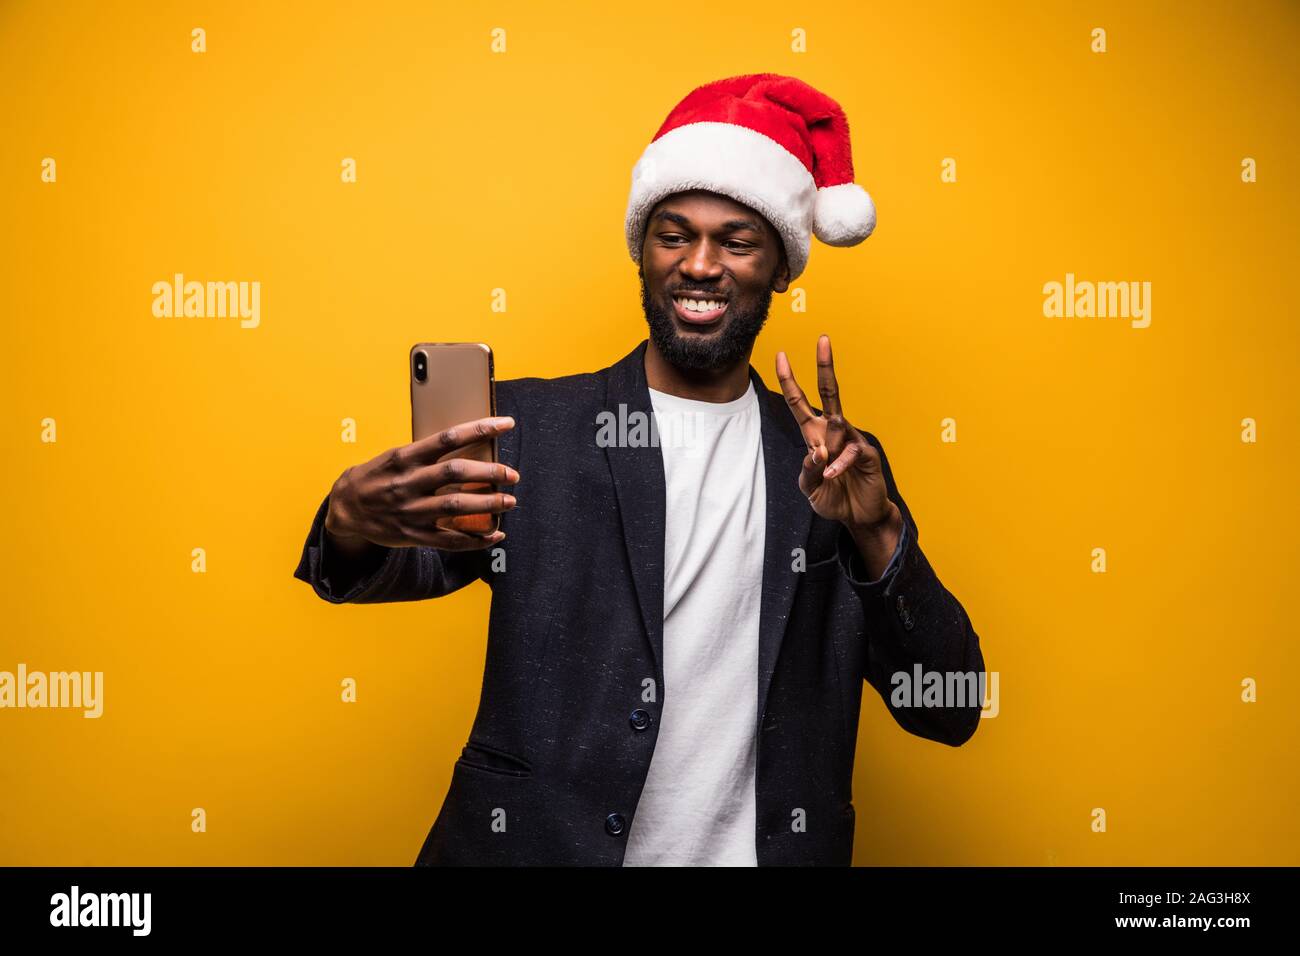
(697, 305)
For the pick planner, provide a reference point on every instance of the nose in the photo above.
(701, 261)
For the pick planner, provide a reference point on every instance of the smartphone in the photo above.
(452, 382)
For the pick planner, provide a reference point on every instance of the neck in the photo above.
(702, 385)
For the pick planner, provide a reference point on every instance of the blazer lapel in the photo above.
(638, 473)
(789, 518)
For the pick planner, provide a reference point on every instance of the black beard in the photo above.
(698, 353)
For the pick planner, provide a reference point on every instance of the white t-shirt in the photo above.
(698, 805)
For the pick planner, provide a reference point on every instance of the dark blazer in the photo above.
(573, 684)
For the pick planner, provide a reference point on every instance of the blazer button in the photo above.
(639, 720)
(907, 623)
(900, 604)
(614, 824)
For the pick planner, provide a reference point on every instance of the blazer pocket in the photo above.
(822, 568)
(481, 756)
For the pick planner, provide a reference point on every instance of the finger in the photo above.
(457, 503)
(844, 462)
(810, 423)
(794, 396)
(826, 384)
(430, 449)
(427, 479)
(818, 452)
(810, 476)
(453, 540)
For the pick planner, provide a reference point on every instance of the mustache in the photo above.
(682, 290)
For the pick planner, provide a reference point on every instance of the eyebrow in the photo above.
(731, 225)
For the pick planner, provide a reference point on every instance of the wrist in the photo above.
(877, 542)
(349, 547)
(890, 526)
(338, 533)
(335, 514)
(334, 525)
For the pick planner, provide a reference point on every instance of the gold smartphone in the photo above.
(452, 382)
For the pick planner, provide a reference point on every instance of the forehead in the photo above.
(708, 210)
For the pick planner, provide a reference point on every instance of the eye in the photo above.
(735, 245)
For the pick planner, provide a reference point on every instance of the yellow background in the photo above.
(477, 171)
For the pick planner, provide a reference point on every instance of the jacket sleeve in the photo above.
(392, 574)
(914, 628)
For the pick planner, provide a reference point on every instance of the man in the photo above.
(686, 613)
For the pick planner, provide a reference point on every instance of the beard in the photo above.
(718, 350)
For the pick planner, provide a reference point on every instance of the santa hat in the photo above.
(768, 141)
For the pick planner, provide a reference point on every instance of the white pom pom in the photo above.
(844, 215)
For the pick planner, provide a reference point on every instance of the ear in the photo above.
(781, 278)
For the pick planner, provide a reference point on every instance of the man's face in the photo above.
(723, 258)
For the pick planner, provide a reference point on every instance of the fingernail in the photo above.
(510, 501)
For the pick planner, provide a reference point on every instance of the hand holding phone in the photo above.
(452, 382)
(442, 490)
(407, 496)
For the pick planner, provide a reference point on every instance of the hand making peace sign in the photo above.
(851, 488)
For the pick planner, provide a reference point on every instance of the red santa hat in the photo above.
(768, 141)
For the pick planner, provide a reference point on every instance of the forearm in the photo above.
(377, 574)
(915, 628)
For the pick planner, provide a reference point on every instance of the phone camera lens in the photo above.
(421, 367)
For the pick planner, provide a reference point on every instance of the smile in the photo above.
(699, 311)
